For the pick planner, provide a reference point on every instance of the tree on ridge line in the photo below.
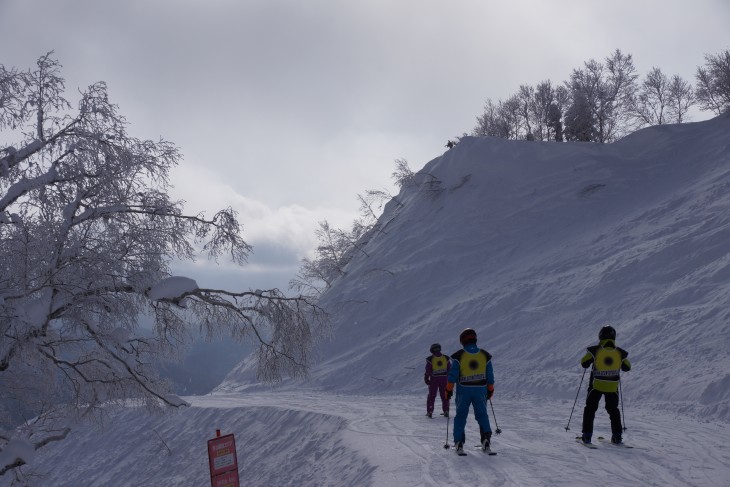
(713, 83)
(604, 101)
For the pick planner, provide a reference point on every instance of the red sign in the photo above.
(223, 461)
(229, 479)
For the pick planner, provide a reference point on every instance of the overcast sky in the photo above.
(286, 110)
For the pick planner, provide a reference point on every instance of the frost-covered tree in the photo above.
(579, 119)
(608, 90)
(681, 98)
(555, 130)
(334, 251)
(337, 247)
(489, 123)
(500, 120)
(651, 104)
(527, 111)
(87, 235)
(403, 175)
(661, 100)
(546, 107)
(713, 83)
(533, 113)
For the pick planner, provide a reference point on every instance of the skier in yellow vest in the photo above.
(437, 369)
(608, 361)
(473, 376)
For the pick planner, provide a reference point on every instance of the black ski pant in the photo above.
(611, 403)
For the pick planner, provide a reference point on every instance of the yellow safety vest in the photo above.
(439, 365)
(473, 368)
(606, 369)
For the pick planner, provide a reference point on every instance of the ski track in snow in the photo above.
(534, 448)
(308, 439)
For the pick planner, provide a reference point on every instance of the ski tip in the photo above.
(587, 445)
(488, 452)
(621, 445)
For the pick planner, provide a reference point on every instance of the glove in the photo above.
(449, 390)
(490, 391)
(427, 380)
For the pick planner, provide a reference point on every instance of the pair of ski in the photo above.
(602, 439)
(429, 415)
(488, 451)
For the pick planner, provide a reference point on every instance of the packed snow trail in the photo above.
(325, 439)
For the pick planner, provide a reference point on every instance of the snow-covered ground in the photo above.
(536, 246)
(327, 439)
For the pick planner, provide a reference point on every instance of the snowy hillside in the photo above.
(536, 246)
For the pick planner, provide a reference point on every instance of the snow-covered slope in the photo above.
(536, 246)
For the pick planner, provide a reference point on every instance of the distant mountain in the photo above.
(202, 367)
(536, 246)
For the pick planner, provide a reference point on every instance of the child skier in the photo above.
(608, 361)
(437, 370)
(471, 371)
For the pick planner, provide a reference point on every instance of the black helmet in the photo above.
(607, 333)
(468, 336)
(435, 348)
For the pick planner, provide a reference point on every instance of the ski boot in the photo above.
(486, 440)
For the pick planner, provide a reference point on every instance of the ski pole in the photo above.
(448, 420)
(623, 414)
(498, 431)
(567, 427)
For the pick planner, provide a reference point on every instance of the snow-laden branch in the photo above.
(18, 452)
(87, 234)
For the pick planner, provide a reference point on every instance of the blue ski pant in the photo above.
(466, 397)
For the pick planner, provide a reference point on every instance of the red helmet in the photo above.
(468, 336)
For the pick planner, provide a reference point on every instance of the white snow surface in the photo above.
(536, 246)
(17, 448)
(172, 288)
(329, 439)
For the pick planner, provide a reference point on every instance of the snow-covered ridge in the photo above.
(536, 246)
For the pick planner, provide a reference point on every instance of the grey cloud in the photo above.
(310, 102)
